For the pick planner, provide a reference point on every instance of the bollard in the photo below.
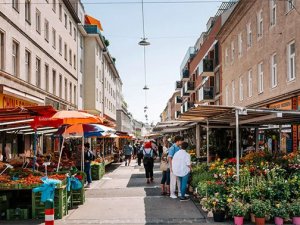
(49, 212)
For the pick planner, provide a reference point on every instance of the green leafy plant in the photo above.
(216, 203)
(238, 208)
(295, 208)
(280, 210)
(260, 208)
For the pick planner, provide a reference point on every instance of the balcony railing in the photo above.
(178, 100)
(185, 74)
(190, 53)
(206, 94)
(206, 67)
(178, 85)
(184, 93)
(189, 87)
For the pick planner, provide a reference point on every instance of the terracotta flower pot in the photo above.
(238, 220)
(278, 221)
(260, 221)
(252, 217)
(296, 220)
(219, 216)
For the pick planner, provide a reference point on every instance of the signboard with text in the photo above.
(7, 101)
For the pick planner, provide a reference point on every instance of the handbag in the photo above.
(164, 166)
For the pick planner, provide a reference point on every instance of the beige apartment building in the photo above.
(260, 55)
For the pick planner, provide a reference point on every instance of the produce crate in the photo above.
(97, 171)
(17, 214)
(60, 204)
(77, 197)
(4, 186)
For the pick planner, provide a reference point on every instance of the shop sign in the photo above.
(285, 105)
(7, 101)
(295, 137)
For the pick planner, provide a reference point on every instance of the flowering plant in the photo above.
(280, 210)
(216, 203)
(238, 208)
(260, 208)
(295, 208)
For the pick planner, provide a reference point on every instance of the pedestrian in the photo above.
(88, 157)
(181, 167)
(173, 178)
(165, 180)
(148, 161)
(128, 153)
(160, 150)
(140, 155)
(134, 151)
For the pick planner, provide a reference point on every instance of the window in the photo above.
(241, 87)
(74, 61)
(81, 90)
(260, 24)
(97, 95)
(47, 76)
(74, 34)
(66, 89)
(38, 21)
(60, 45)
(227, 95)
(2, 46)
(240, 41)
(66, 52)
(291, 61)
(27, 66)
(70, 25)
(232, 51)
(226, 56)
(60, 12)
(260, 78)
(54, 81)
(53, 38)
(97, 71)
(27, 10)
(60, 86)
(54, 5)
(81, 65)
(46, 29)
(273, 12)
(249, 35)
(15, 58)
(15, 4)
(66, 21)
(75, 95)
(250, 84)
(290, 4)
(70, 57)
(233, 92)
(70, 90)
(38, 72)
(274, 70)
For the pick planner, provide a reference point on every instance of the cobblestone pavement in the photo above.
(123, 197)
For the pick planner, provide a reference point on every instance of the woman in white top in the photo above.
(181, 166)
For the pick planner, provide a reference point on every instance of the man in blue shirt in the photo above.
(128, 153)
(173, 179)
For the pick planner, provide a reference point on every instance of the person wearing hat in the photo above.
(88, 157)
(148, 161)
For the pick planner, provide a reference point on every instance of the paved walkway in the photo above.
(123, 197)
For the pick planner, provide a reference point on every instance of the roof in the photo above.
(92, 21)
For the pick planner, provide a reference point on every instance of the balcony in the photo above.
(185, 74)
(189, 87)
(184, 93)
(92, 29)
(178, 85)
(186, 106)
(206, 67)
(178, 100)
(206, 94)
(177, 114)
(189, 55)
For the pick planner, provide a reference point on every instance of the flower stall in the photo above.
(268, 188)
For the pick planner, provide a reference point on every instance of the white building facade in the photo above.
(38, 54)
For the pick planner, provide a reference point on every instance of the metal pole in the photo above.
(207, 142)
(256, 139)
(34, 149)
(60, 154)
(82, 154)
(237, 145)
(198, 140)
(279, 141)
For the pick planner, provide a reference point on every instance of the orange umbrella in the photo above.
(75, 117)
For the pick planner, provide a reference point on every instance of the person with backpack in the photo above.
(128, 153)
(148, 161)
(88, 158)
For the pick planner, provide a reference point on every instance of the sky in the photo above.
(170, 28)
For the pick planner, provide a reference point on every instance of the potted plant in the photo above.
(217, 204)
(260, 208)
(295, 212)
(238, 210)
(280, 212)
